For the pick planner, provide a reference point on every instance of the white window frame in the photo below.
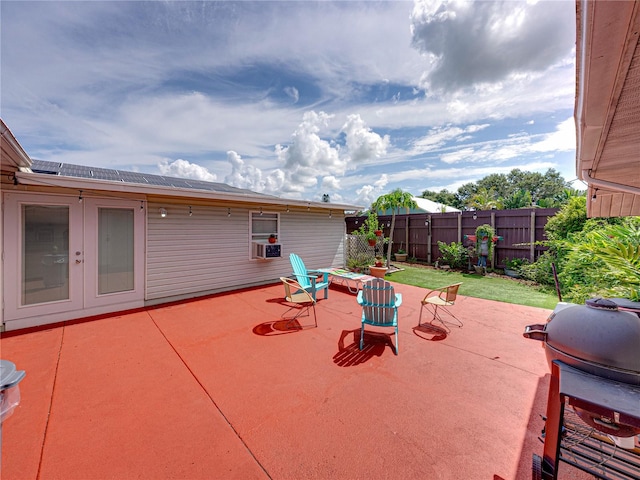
(260, 236)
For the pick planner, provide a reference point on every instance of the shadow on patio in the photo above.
(214, 388)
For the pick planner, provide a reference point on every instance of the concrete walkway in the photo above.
(215, 388)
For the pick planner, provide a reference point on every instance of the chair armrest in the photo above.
(325, 275)
(398, 299)
(439, 291)
(359, 298)
(302, 275)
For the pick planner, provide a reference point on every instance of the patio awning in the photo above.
(607, 109)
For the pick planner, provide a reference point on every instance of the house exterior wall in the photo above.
(188, 256)
(209, 251)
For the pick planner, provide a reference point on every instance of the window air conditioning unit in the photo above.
(267, 250)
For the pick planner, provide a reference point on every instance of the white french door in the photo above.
(68, 259)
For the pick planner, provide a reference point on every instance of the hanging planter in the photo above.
(372, 242)
(378, 233)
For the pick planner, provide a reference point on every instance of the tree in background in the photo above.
(443, 196)
(518, 199)
(393, 201)
(484, 199)
(517, 189)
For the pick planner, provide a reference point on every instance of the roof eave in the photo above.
(86, 184)
(607, 35)
(13, 155)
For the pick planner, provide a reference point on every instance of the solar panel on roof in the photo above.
(80, 171)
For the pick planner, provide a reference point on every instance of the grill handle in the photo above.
(535, 332)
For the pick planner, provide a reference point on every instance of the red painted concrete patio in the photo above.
(213, 388)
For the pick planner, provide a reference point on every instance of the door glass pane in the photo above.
(45, 253)
(115, 250)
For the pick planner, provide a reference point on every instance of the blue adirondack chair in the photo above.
(379, 306)
(309, 279)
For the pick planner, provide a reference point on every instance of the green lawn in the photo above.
(502, 289)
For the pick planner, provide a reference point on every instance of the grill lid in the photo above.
(597, 332)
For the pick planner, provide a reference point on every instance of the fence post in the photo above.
(406, 232)
(429, 219)
(532, 248)
(460, 228)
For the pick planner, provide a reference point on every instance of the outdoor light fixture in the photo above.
(475, 216)
(388, 223)
(260, 211)
(141, 205)
(330, 214)
(288, 209)
(228, 212)
(163, 212)
(593, 197)
(426, 223)
(80, 197)
(190, 211)
(308, 207)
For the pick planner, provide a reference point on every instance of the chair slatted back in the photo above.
(379, 302)
(452, 292)
(299, 270)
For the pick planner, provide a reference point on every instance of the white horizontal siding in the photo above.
(209, 251)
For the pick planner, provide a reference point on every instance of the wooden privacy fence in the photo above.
(418, 234)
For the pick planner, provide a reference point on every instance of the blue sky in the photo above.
(295, 98)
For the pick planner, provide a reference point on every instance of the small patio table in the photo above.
(351, 280)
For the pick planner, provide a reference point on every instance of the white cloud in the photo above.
(517, 145)
(250, 177)
(183, 169)
(362, 143)
(293, 93)
(330, 183)
(440, 136)
(563, 139)
(367, 194)
(483, 42)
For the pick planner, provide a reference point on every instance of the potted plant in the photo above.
(401, 255)
(370, 228)
(378, 272)
(372, 238)
(353, 265)
(378, 269)
(273, 238)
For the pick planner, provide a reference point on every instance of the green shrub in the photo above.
(540, 271)
(454, 254)
(570, 219)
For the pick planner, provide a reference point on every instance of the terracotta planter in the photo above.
(378, 233)
(372, 243)
(272, 240)
(377, 271)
